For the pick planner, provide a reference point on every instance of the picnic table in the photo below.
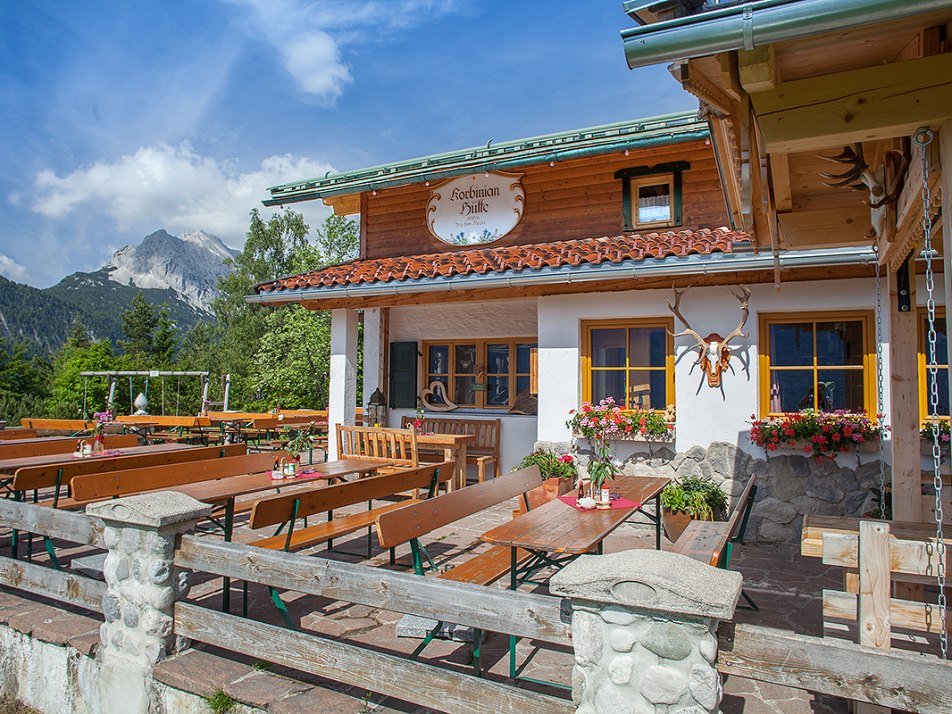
(453, 448)
(9, 466)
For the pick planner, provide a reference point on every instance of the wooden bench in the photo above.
(56, 476)
(63, 426)
(285, 510)
(712, 542)
(396, 448)
(14, 434)
(408, 524)
(18, 450)
(483, 452)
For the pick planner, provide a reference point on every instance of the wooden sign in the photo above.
(475, 209)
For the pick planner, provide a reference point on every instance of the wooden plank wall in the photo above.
(573, 199)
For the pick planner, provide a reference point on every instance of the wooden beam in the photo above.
(695, 82)
(433, 687)
(730, 75)
(344, 205)
(72, 527)
(362, 235)
(859, 105)
(780, 182)
(825, 227)
(758, 69)
(902, 680)
(725, 150)
(53, 584)
(904, 403)
(903, 614)
(945, 157)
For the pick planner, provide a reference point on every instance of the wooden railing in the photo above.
(48, 582)
(523, 614)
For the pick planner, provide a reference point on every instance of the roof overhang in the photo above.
(754, 24)
(670, 267)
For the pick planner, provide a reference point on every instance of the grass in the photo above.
(220, 702)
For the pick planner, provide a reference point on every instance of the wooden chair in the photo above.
(410, 523)
(712, 542)
(285, 509)
(396, 449)
(19, 450)
(483, 452)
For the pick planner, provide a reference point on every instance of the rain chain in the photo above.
(923, 138)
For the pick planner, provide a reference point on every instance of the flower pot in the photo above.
(550, 490)
(674, 523)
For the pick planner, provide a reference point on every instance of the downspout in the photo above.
(754, 24)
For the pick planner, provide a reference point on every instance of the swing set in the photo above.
(113, 378)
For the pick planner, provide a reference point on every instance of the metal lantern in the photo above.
(376, 409)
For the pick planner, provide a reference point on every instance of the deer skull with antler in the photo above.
(714, 353)
(860, 177)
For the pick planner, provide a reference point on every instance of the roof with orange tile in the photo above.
(504, 259)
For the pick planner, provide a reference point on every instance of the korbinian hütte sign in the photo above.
(475, 209)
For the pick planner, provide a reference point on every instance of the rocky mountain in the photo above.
(189, 265)
(180, 272)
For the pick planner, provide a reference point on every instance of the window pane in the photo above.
(439, 359)
(437, 398)
(608, 383)
(791, 344)
(465, 359)
(654, 203)
(791, 390)
(647, 346)
(522, 384)
(497, 359)
(943, 384)
(497, 391)
(839, 342)
(941, 345)
(523, 358)
(841, 389)
(646, 389)
(465, 393)
(608, 347)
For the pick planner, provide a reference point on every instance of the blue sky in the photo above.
(122, 118)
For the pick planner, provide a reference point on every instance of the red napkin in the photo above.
(617, 503)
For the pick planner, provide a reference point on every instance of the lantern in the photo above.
(376, 409)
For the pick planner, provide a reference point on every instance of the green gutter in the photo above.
(582, 143)
(764, 22)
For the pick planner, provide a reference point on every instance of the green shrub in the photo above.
(699, 496)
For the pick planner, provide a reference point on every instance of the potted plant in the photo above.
(559, 472)
(823, 435)
(689, 499)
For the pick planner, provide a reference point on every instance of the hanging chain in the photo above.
(879, 384)
(923, 138)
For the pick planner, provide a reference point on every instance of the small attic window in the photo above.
(651, 196)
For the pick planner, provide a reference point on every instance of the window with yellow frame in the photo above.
(941, 367)
(824, 361)
(480, 374)
(629, 360)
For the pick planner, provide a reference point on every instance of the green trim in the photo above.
(675, 168)
(579, 143)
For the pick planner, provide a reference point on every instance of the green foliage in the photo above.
(23, 381)
(699, 496)
(550, 465)
(220, 702)
(79, 354)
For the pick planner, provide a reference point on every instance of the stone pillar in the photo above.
(643, 628)
(342, 400)
(142, 585)
(370, 377)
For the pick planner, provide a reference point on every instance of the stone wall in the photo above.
(789, 485)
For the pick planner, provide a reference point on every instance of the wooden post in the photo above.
(945, 157)
(904, 403)
(874, 595)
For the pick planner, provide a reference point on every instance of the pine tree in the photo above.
(164, 339)
(138, 327)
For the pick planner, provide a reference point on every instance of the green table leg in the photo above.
(226, 582)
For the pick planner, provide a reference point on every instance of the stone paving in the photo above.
(785, 586)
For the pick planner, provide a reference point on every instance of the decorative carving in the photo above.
(437, 389)
(714, 353)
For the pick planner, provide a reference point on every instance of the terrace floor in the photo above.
(785, 586)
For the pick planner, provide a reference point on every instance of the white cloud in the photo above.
(11, 269)
(308, 36)
(173, 187)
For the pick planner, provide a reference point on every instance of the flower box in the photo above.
(824, 435)
(636, 436)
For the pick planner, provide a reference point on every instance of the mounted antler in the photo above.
(854, 177)
(714, 353)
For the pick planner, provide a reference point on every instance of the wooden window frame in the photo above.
(481, 347)
(869, 352)
(921, 315)
(667, 323)
(658, 174)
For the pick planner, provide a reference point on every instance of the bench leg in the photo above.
(751, 605)
(426, 640)
(393, 556)
(477, 651)
(51, 552)
(244, 598)
(282, 608)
